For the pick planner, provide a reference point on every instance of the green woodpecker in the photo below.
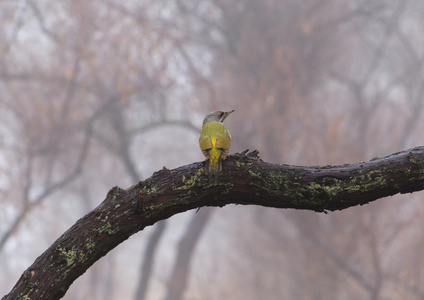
(215, 141)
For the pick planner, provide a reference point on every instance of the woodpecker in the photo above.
(215, 141)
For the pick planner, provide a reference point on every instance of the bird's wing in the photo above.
(224, 141)
(205, 143)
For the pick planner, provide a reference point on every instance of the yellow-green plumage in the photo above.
(215, 141)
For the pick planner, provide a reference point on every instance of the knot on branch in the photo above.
(250, 155)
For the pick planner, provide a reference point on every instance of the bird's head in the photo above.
(217, 116)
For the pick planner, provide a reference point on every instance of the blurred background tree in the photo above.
(103, 93)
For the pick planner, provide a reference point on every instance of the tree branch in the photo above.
(245, 179)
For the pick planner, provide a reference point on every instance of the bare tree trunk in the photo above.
(178, 280)
(148, 260)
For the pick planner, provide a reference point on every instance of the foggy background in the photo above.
(95, 94)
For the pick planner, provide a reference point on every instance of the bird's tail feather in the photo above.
(214, 164)
(212, 170)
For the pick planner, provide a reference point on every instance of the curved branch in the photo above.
(245, 180)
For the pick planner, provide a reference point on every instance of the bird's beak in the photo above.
(227, 113)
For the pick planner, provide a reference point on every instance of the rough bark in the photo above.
(245, 180)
